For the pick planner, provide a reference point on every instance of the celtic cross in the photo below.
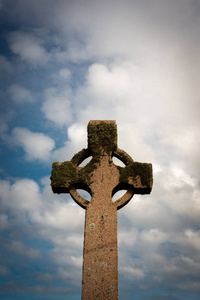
(102, 179)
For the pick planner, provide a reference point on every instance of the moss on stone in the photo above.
(123, 156)
(143, 170)
(102, 136)
(79, 157)
(102, 139)
(63, 174)
(85, 173)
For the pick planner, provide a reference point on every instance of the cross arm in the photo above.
(63, 178)
(138, 175)
(63, 175)
(67, 174)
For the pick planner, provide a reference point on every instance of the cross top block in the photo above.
(136, 177)
(102, 135)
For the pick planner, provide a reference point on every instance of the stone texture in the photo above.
(101, 178)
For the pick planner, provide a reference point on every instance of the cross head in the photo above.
(102, 179)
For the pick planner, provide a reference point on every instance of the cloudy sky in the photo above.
(62, 64)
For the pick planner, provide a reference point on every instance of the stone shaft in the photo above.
(100, 261)
(100, 258)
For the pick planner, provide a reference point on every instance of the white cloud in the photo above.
(42, 207)
(22, 195)
(194, 238)
(29, 47)
(110, 84)
(19, 248)
(77, 135)
(150, 104)
(136, 274)
(37, 146)
(117, 89)
(62, 75)
(61, 221)
(57, 106)
(129, 29)
(53, 218)
(19, 94)
(60, 216)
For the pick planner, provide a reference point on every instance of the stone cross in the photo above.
(102, 179)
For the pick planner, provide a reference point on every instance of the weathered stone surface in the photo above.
(101, 178)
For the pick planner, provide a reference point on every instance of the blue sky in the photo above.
(62, 64)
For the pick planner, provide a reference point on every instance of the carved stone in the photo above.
(101, 178)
